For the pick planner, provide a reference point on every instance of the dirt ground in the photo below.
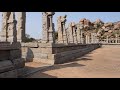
(100, 63)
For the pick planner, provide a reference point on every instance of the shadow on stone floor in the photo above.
(71, 63)
(83, 59)
(41, 75)
(41, 70)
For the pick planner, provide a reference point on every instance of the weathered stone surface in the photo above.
(9, 74)
(6, 66)
(30, 44)
(20, 72)
(4, 55)
(21, 26)
(44, 56)
(71, 39)
(18, 63)
(48, 29)
(15, 54)
(62, 34)
(108, 24)
(9, 31)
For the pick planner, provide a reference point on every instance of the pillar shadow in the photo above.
(39, 73)
(30, 55)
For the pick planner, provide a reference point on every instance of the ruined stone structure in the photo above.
(72, 43)
(54, 53)
(47, 25)
(8, 33)
(21, 26)
(62, 33)
(11, 62)
(70, 28)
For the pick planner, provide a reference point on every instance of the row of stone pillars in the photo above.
(13, 30)
(74, 33)
(113, 41)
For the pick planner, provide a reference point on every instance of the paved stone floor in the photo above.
(100, 63)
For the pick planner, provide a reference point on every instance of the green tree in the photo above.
(56, 35)
(29, 38)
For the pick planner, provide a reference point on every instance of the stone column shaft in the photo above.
(74, 35)
(48, 29)
(70, 33)
(21, 26)
(116, 39)
(78, 34)
(9, 32)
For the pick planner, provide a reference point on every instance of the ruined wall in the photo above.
(11, 63)
(55, 53)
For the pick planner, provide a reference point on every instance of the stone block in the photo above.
(14, 54)
(6, 65)
(37, 55)
(18, 63)
(20, 72)
(4, 54)
(44, 56)
(31, 44)
(46, 50)
(9, 74)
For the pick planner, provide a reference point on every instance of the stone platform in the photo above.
(11, 63)
(55, 53)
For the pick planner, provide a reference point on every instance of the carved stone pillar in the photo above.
(9, 32)
(12, 32)
(107, 39)
(70, 33)
(62, 34)
(78, 33)
(116, 38)
(21, 26)
(74, 33)
(48, 29)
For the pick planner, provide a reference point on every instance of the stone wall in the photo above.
(55, 53)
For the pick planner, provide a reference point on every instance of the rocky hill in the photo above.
(102, 29)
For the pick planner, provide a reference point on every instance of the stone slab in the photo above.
(9, 74)
(6, 65)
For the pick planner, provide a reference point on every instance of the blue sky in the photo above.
(34, 20)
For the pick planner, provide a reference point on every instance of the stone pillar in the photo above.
(74, 33)
(48, 29)
(116, 38)
(62, 34)
(12, 32)
(92, 38)
(107, 40)
(70, 33)
(87, 39)
(81, 36)
(4, 31)
(9, 32)
(21, 26)
(60, 30)
(95, 38)
(51, 31)
(78, 33)
(81, 32)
